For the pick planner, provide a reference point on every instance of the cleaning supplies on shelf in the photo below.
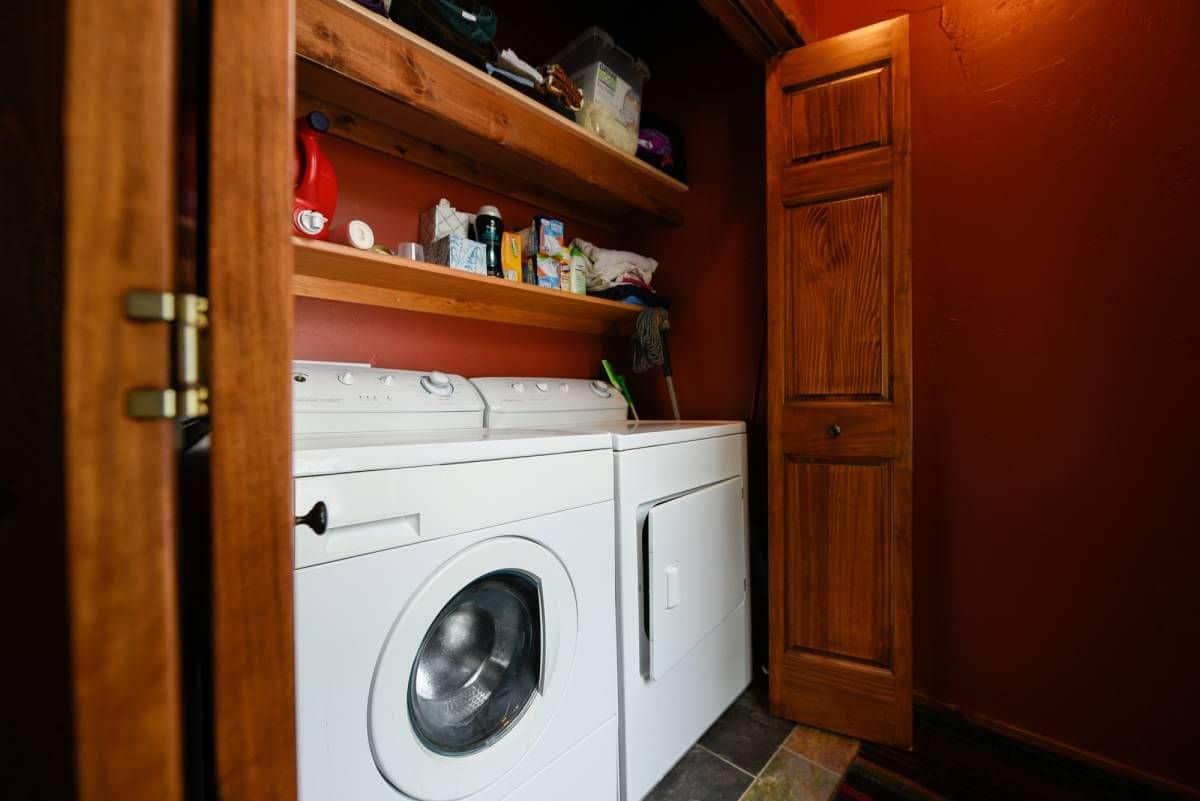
(546, 236)
(578, 271)
(547, 270)
(544, 253)
(314, 180)
(510, 256)
(489, 231)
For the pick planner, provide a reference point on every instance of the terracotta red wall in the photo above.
(1056, 272)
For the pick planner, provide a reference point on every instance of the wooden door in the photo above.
(839, 383)
(118, 92)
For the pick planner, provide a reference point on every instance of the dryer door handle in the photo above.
(317, 518)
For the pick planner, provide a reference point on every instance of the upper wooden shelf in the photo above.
(338, 272)
(387, 88)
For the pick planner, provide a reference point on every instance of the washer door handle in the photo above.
(317, 518)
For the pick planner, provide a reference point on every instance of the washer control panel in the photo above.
(333, 387)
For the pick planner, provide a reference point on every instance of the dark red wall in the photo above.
(711, 266)
(1056, 273)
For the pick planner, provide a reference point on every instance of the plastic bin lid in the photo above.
(596, 32)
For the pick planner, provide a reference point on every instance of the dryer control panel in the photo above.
(539, 402)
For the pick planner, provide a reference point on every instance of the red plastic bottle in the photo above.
(314, 180)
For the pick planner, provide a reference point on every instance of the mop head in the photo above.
(648, 340)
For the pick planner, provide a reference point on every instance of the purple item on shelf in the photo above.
(654, 147)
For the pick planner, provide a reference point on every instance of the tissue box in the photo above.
(458, 252)
(442, 220)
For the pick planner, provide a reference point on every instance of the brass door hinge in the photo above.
(189, 315)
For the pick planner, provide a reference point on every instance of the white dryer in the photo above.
(455, 631)
(682, 562)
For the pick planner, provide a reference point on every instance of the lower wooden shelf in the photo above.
(338, 272)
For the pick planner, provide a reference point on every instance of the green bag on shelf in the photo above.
(468, 30)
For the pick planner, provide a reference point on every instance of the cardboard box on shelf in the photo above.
(510, 256)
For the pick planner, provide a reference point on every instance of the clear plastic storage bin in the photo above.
(611, 81)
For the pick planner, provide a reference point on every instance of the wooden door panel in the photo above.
(837, 563)
(834, 117)
(839, 384)
(845, 696)
(836, 315)
(863, 430)
(857, 172)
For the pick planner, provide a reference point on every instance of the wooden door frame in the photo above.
(249, 260)
(762, 28)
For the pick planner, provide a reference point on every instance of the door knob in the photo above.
(834, 431)
(317, 518)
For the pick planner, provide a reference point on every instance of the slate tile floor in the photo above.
(749, 755)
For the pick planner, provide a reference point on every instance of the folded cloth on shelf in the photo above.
(607, 268)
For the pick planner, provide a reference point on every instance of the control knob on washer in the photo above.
(437, 383)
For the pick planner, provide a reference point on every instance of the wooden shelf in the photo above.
(384, 87)
(338, 272)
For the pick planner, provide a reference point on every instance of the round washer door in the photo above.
(473, 670)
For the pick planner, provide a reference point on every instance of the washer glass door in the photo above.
(473, 669)
(479, 666)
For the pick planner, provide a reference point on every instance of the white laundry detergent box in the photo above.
(460, 253)
(442, 220)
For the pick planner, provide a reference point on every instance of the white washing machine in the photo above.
(455, 630)
(682, 562)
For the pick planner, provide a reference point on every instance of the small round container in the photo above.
(411, 251)
(355, 233)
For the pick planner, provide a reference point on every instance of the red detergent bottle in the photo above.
(314, 180)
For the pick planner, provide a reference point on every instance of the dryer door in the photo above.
(696, 569)
(473, 670)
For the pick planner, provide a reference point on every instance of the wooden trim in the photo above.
(120, 473)
(250, 273)
(960, 717)
(762, 29)
(337, 272)
(742, 30)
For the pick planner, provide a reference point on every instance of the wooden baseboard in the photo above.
(1057, 748)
